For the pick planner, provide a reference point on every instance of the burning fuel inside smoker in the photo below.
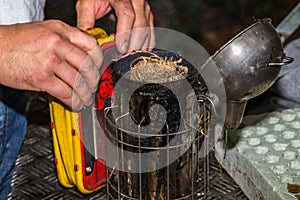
(157, 122)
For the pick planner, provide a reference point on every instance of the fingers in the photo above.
(64, 93)
(125, 19)
(130, 14)
(134, 19)
(97, 56)
(140, 33)
(150, 18)
(84, 81)
(81, 39)
(81, 61)
(74, 84)
(85, 14)
(88, 43)
(90, 10)
(87, 63)
(81, 58)
(76, 92)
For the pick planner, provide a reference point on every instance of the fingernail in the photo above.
(95, 89)
(124, 47)
(91, 101)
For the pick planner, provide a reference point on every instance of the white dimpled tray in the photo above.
(264, 155)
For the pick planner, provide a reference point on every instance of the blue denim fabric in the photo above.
(12, 133)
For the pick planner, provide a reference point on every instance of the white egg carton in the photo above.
(264, 156)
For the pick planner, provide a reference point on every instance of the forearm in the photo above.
(6, 41)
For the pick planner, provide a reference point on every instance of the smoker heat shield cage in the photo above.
(186, 126)
(76, 167)
(184, 131)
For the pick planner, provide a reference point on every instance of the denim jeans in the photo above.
(12, 132)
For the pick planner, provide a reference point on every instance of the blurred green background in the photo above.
(212, 23)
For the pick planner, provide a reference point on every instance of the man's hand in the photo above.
(134, 21)
(50, 56)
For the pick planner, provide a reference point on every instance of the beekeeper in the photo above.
(53, 57)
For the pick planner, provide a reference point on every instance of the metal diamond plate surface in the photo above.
(35, 175)
(266, 156)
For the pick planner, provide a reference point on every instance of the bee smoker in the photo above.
(155, 131)
(133, 159)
